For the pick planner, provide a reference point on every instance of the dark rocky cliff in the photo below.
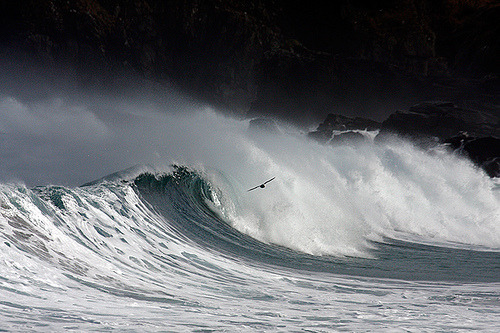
(468, 132)
(296, 59)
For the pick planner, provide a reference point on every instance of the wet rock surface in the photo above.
(337, 122)
(484, 151)
(468, 132)
(442, 120)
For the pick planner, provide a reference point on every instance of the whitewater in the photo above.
(131, 214)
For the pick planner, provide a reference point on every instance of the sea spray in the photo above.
(345, 238)
(325, 199)
(330, 200)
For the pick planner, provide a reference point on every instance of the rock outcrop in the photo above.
(468, 132)
(337, 122)
(442, 120)
(349, 137)
(485, 152)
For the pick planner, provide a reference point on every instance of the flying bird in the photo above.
(261, 185)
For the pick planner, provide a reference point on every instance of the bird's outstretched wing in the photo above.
(261, 185)
(254, 188)
(267, 181)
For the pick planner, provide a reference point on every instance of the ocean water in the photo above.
(375, 236)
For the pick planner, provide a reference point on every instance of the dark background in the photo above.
(296, 60)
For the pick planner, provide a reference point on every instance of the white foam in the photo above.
(324, 200)
(329, 200)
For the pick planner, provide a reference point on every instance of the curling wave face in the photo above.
(108, 220)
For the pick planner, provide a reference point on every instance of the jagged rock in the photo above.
(348, 137)
(478, 130)
(337, 122)
(492, 167)
(442, 120)
(342, 123)
(485, 152)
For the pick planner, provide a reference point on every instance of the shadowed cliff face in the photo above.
(299, 60)
(426, 37)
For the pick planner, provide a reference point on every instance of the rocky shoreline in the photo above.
(468, 132)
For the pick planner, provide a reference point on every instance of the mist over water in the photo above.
(67, 140)
(324, 200)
